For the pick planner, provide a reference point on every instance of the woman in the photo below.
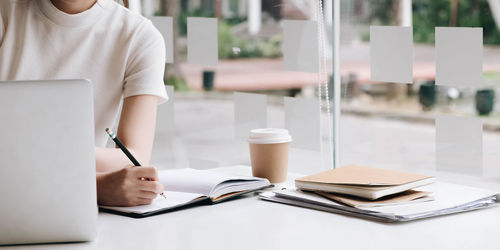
(120, 52)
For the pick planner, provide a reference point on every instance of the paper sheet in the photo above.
(459, 56)
(195, 181)
(173, 199)
(449, 198)
(391, 54)
(446, 195)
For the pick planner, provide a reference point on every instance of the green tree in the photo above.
(428, 14)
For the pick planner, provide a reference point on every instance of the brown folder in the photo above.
(363, 176)
(395, 199)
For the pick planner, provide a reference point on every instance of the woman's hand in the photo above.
(128, 187)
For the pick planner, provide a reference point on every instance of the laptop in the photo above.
(47, 162)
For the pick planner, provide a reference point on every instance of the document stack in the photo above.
(379, 194)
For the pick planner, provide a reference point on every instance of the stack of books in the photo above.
(382, 195)
(360, 186)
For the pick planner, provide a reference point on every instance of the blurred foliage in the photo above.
(203, 13)
(249, 48)
(178, 83)
(428, 14)
(182, 24)
(471, 13)
(492, 76)
(380, 12)
(234, 20)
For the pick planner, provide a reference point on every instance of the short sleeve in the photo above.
(146, 64)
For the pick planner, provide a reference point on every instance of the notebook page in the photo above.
(173, 199)
(237, 184)
(191, 180)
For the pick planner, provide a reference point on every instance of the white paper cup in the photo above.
(269, 153)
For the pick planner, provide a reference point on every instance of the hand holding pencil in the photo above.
(127, 153)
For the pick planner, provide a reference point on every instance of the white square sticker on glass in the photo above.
(300, 46)
(491, 152)
(459, 144)
(165, 25)
(459, 56)
(168, 109)
(302, 119)
(198, 163)
(250, 112)
(165, 117)
(202, 40)
(391, 54)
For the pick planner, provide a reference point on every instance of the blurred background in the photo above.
(382, 124)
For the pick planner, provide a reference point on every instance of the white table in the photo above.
(250, 223)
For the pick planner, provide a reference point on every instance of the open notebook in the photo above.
(188, 187)
(448, 199)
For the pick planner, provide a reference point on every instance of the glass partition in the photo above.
(419, 80)
(239, 65)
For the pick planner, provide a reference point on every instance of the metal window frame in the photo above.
(336, 81)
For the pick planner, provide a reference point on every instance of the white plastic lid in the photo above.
(269, 136)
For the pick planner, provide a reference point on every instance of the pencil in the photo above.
(125, 150)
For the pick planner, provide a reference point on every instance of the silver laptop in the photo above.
(47, 164)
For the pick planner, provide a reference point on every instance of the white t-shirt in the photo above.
(120, 52)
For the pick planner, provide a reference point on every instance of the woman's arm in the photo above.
(118, 184)
(136, 131)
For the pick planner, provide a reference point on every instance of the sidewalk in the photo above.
(268, 74)
(249, 74)
(203, 138)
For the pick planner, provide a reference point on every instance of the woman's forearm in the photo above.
(112, 159)
(136, 130)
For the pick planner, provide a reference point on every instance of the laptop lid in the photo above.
(47, 162)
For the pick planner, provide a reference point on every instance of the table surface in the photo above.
(249, 223)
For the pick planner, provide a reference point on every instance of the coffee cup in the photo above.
(269, 153)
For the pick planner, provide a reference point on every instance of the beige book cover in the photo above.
(409, 196)
(363, 176)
